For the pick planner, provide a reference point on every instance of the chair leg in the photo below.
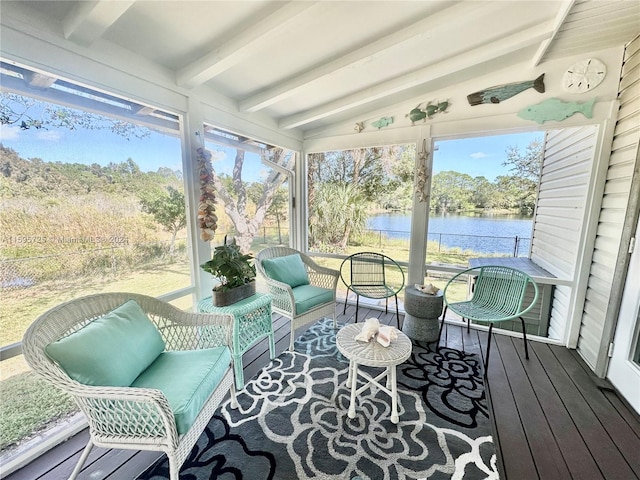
(397, 312)
(486, 360)
(357, 306)
(83, 458)
(524, 337)
(174, 469)
(345, 301)
(386, 305)
(468, 324)
(444, 315)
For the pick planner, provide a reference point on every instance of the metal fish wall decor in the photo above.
(430, 109)
(503, 92)
(557, 110)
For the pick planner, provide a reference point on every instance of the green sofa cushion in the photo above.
(309, 296)
(110, 351)
(187, 379)
(288, 269)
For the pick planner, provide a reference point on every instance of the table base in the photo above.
(390, 387)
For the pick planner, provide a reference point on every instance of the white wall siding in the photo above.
(559, 217)
(612, 213)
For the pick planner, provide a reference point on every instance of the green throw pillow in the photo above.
(289, 269)
(110, 351)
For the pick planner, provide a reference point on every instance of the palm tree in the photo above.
(339, 211)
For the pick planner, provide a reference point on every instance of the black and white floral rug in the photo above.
(292, 422)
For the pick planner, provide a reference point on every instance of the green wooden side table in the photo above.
(251, 323)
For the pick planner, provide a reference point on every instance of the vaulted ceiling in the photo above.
(307, 64)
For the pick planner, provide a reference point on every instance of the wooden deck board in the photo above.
(542, 443)
(567, 438)
(550, 419)
(514, 451)
(608, 458)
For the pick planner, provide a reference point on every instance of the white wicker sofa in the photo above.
(146, 375)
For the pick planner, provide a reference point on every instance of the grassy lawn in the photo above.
(29, 405)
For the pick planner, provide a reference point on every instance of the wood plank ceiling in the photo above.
(308, 64)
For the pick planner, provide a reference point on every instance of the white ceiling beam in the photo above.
(561, 16)
(290, 86)
(89, 20)
(239, 47)
(492, 50)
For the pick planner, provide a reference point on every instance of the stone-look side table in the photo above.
(251, 322)
(372, 354)
(422, 313)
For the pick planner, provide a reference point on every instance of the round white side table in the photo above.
(372, 354)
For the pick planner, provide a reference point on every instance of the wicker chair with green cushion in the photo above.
(372, 275)
(146, 375)
(498, 296)
(302, 290)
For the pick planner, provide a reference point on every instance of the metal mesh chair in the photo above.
(370, 276)
(131, 417)
(284, 301)
(498, 296)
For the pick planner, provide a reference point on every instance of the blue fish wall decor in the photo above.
(383, 122)
(503, 92)
(557, 110)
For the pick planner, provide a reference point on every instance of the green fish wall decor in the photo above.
(503, 92)
(383, 122)
(416, 114)
(429, 111)
(557, 110)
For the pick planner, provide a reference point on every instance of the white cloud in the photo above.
(479, 155)
(9, 132)
(49, 135)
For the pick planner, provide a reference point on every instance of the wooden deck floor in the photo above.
(551, 420)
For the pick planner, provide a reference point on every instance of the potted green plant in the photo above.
(235, 272)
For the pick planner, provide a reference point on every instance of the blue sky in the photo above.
(478, 156)
(71, 146)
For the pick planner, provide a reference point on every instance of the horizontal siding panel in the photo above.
(572, 226)
(557, 231)
(625, 155)
(627, 81)
(596, 305)
(623, 170)
(603, 257)
(628, 113)
(607, 243)
(559, 240)
(573, 150)
(601, 277)
(618, 186)
(570, 176)
(630, 93)
(575, 203)
(617, 201)
(556, 211)
(574, 195)
(628, 138)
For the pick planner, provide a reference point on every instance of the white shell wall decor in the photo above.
(422, 178)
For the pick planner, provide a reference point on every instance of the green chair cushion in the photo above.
(288, 269)
(187, 379)
(309, 296)
(110, 351)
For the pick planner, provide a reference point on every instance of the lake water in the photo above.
(481, 233)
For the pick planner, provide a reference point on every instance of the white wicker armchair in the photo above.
(284, 296)
(133, 417)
